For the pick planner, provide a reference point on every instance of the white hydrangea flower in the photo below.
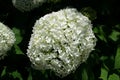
(27, 5)
(53, 1)
(7, 39)
(61, 41)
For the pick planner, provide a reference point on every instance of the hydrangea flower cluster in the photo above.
(61, 41)
(7, 39)
(27, 5)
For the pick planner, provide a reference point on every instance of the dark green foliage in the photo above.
(102, 64)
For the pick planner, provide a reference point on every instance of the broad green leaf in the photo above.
(114, 77)
(103, 58)
(84, 74)
(3, 72)
(18, 40)
(104, 74)
(114, 35)
(17, 50)
(100, 33)
(17, 35)
(117, 59)
(16, 74)
(29, 76)
(90, 74)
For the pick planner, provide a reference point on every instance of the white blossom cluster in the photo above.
(27, 5)
(61, 41)
(7, 39)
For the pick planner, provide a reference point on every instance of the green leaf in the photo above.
(104, 74)
(114, 35)
(17, 49)
(18, 40)
(84, 74)
(100, 33)
(16, 74)
(3, 72)
(114, 77)
(103, 58)
(17, 35)
(90, 73)
(117, 59)
(29, 76)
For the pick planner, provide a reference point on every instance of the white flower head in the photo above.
(7, 39)
(61, 41)
(27, 5)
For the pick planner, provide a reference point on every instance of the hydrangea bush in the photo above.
(7, 39)
(61, 41)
